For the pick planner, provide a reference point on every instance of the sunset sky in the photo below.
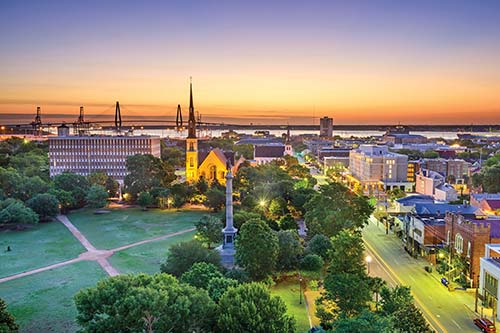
(422, 62)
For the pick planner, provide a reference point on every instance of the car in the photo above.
(444, 281)
(485, 325)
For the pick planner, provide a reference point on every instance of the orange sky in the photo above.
(258, 62)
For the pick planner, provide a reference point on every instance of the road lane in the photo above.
(446, 311)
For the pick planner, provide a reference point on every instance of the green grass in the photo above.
(289, 293)
(126, 226)
(146, 258)
(43, 302)
(41, 245)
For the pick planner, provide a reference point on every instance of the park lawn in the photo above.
(129, 225)
(38, 246)
(43, 302)
(146, 258)
(289, 293)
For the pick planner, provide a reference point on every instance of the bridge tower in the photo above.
(178, 119)
(118, 116)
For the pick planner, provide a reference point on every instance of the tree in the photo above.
(215, 199)
(347, 269)
(112, 187)
(376, 284)
(250, 308)
(45, 205)
(289, 249)
(183, 255)
(395, 298)
(277, 208)
(200, 274)
(490, 179)
(98, 178)
(217, 286)
(144, 200)
(257, 248)
(201, 186)
(287, 222)
(146, 172)
(65, 199)
(15, 212)
(172, 155)
(209, 230)
(409, 319)
(96, 197)
(366, 322)
(336, 208)
(312, 262)
(245, 150)
(75, 184)
(7, 321)
(396, 193)
(320, 245)
(242, 216)
(138, 303)
(430, 154)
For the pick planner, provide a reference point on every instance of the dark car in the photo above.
(445, 282)
(485, 325)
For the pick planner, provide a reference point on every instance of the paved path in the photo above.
(92, 254)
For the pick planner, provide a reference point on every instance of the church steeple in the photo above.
(191, 142)
(192, 119)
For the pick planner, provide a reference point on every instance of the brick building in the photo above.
(467, 238)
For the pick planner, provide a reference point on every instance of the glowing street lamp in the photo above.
(368, 260)
(262, 203)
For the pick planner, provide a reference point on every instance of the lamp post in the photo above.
(368, 260)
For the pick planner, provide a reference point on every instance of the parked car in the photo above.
(444, 281)
(485, 325)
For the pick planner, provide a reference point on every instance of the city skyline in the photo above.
(379, 63)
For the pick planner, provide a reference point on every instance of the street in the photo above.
(445, 311)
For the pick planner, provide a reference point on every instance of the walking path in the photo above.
(93, 254)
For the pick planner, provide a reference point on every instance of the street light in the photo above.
(262, 203)
(368, 260)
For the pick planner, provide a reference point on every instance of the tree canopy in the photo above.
(249, 308)
(257, 249)
(183, 255)
(138, 303)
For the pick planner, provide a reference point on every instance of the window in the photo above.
(191, 162)
(459, 243)
(468, 249)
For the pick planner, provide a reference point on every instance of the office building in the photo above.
(84, 155)
(326, 127)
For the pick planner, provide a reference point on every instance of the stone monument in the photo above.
(227, 250)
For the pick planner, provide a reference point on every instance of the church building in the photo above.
(210, 165)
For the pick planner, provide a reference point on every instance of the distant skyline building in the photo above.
(326, 127)
(84, 155)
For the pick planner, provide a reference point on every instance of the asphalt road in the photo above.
(446, 311)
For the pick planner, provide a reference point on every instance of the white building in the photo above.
(263, 154)
(489, 275)
(375, 168)
(84, 155)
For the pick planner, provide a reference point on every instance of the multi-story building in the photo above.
(453, 169)
(488, 278)
(413, 168)
(467, 238)
(433, 183)
(326, 127)
(377, 169)
(84, 155)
